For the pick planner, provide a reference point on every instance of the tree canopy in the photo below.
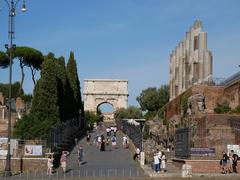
(53, 99)
(152, 99)
(129, 113)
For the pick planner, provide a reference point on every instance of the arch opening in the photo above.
(106, 110)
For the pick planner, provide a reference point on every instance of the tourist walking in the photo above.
(156, 162)
(234, 164)
(88, 139)
(163, 162)
(159, 153)
(114, 142)
(80, 155)
(223, 162)
(63, 160)
(108, 130)
(136, 156)
(125, 141)
(102, 146)
(50, 165)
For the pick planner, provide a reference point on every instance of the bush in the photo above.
(236, 110)
(221, 109)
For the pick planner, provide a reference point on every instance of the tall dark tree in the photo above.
(62, 86)
(45, 109)
(74, 84)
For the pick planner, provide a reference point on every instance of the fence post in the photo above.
(72, 174)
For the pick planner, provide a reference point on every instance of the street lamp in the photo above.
(11, 22)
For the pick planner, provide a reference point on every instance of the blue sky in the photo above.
(124, 39)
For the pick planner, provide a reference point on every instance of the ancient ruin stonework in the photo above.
(190, 62)
(99, 91)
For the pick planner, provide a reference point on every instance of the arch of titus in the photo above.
(99, 91)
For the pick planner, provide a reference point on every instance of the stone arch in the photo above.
(99, 91)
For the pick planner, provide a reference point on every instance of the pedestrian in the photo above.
(80, 155)
(159, 153)
(76, 140)
(223, 162)
(163, 162)
(115, 131)
(88, 138)
(136, 156)
(108, 130)
(63, 160)
(235, 158)
(125, 141)
(99, 141)
(114, 142)
(156, 162)
(102, 146)
(50, 165)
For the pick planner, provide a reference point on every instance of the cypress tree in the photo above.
(74, 84)
(45, 109)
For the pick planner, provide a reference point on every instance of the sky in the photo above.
(123, 39)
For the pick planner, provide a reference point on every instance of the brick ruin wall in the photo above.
(232, 95)
(215, 131)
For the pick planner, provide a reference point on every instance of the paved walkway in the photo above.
(109, 163)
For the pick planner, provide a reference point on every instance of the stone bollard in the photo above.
(142, 158)
(186, 170)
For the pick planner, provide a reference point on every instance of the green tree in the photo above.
(4, 88)
(74, 84)
(91, 118)
(149, 99)
(28, 57)
(128, 113)
(153, 99)
(45, 105)
(4, 60)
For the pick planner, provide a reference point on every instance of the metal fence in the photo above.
(134, 132)
(80, 173)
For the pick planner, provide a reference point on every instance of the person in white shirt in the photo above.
(156, 162)
(159, 153)
(125, 141)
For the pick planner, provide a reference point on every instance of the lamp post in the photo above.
(11, 23)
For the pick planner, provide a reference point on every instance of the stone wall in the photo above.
(232, 95)
(201, 166)
(212, 94)
(28, 164)
(215, 131)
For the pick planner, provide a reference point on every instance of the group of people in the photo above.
(100, 140)
(159, 161)
(63, 161)
(228, 162)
